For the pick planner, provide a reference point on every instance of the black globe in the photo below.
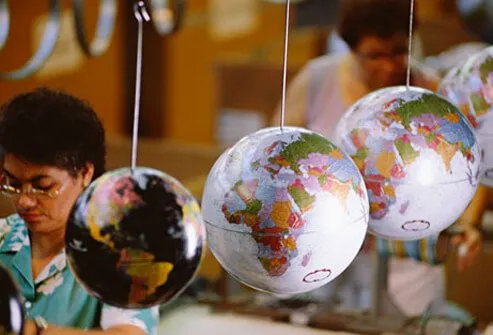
(11, 308)
(135, 239)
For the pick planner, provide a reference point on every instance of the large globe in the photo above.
(470, 87)
(135, 238)
(419, 157)
(286, 211)
(11, 308)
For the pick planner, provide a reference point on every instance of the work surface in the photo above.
(199, 319)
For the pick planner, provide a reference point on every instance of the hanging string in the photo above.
(141, 15)
(285, 65)
(410, 45)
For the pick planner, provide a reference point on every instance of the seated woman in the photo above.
(53, 146)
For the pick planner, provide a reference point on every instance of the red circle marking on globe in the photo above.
(317, 275)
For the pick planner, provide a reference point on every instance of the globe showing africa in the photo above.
(470, 87)
(286, 211)
(135, 238)
(419, 157)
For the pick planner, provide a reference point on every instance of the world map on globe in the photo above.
(470, 87)
(415, 150)
(479, 80)
(451, 87)
(273, 200)
(438, 128)
(142, 230)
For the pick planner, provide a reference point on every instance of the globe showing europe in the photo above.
(419, 157)
(286, 210)
(135, 238)
(470, 87)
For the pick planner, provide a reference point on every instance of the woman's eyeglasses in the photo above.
(396, 53)
(381, 56)
(12, 191)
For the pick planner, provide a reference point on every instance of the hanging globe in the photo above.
(11, 308)
(135, 239)
(419, 158)
(470, 87)
(286, 211)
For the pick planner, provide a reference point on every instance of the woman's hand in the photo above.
(368, 244)
(117, 330)
(469, 244)
(469, 239)
(29, 328)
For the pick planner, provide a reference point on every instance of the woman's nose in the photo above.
(394, 65)
(25, 201)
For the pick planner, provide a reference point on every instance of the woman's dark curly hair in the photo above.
(380, 18)
(48, 127)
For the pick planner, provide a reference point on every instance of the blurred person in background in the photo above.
(376, 35)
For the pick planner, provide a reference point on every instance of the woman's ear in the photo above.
(87, 174)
